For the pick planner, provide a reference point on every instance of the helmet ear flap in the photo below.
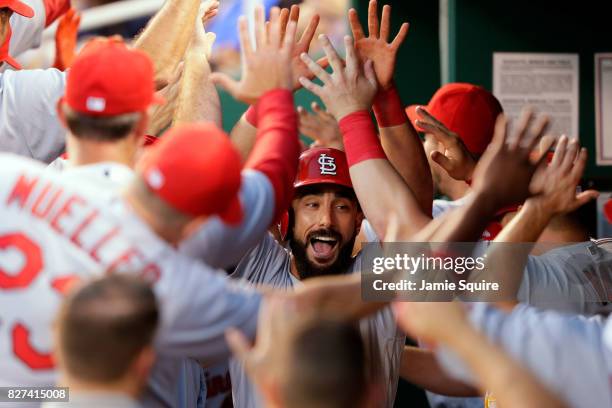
(285, 226)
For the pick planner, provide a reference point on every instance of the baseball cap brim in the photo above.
(233, 213)
(412, 115)
(20, 8)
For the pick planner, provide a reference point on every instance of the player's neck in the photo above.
(83, 152)
(127, 387)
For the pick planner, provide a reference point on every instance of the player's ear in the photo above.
(142, 125)
(60, 112)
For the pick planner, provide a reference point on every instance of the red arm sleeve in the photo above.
(388, 108)
(54, 9)
(360, 140)
(277, 147)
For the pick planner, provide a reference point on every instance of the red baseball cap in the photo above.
(18, 7)
(107, 78)
(196, 170)
(320, 165)
(466, 109)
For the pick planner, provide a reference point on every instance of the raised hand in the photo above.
(66, 39)
(456, 160)
(302, 45)
(320, 126)
(375, 46)
(554, 186)
(208, 9)
(349, 88)
(268, 66)
(504, 171)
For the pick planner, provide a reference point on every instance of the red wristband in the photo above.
(388, 108)
(360, 140)
(251, 115)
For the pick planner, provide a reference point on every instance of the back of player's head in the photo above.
(194, 171)
(326, 367)
(104, 326)
(108, 89)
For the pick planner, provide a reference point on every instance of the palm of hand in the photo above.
(381, 54)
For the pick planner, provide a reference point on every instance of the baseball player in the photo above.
(56, 233)
(28, 99)
(322, 224)
(558, 348)
(24, 29)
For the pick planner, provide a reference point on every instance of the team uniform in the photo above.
(54, 234)
(269, 263)
(28, 99)
(567, 353)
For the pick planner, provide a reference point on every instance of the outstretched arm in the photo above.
(198, 99)
(399, 139)
(167, 35)
(348, 93)
(445, 323)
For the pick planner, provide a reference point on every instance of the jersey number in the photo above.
(33, 264)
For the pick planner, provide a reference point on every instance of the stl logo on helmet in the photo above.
(328, 165)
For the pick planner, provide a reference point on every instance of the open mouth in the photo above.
(323, 247)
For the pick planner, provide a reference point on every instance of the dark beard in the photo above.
(306, 269)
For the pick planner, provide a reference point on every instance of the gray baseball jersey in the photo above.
(566, 352)
(26, 32)
(53, 231)
(269, 263)
(28, 118)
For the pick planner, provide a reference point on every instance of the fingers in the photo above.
(334, 59)
(441, 160)
(370, 75)
(315, 69)
(274, 36)
(288, 43)
(373, 25)
(283, 20)
(352, 62)
(385, 24)
(356, 27)
(294, 14)
(225, 82)
(522, 128)
(538, 130)
(559, 154)
(580, 164)
(401, 36)
(501, 131)
(260, 27)
(309, 32)
(570, 156)
(245, 41)
(583, 198)
(311, 86)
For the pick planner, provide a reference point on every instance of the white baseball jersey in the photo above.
(269, 263)
(28, 120)
(52, 232)
(565, 352)
(196, 387)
